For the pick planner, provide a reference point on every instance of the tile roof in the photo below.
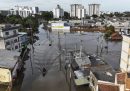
(121, 78)
(106, 87)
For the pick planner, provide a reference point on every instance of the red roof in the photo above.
(121, 78)
(116, 36)
(107, 87)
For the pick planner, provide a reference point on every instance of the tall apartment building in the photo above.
(58, 12)
(9, 37)
(81, 13)
(77, 10)
(74, 10)
(24, 11)
(125, 54)
(94, 9)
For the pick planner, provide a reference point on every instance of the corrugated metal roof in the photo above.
(8, 59)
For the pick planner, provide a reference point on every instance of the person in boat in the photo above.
(44, 71)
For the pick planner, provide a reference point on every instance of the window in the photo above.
(7, 43)
(15, 32)
(16, 47)
(15, 40)
(6, 33)
(8, 48)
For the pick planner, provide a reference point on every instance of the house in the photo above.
(9, 37)
(91, 70)
(60, 27)
(123, 80)
(9, 68)
(103, 76)
(123, 77)
(23, 38)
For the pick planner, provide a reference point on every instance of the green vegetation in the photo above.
(2, 18)
(118, 14)
(66, 15)
(28, 22)
(94, 16)
(14, 19)
(109, 31)
(47, 15)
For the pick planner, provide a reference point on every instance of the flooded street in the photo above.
(47, 56)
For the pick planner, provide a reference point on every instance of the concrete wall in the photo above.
(11, 33)
(125, 54)
(13, 44)
(2, 44)
(93, 82)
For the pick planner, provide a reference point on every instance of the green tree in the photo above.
(87, 17)
(118, 14)
(14, 19)
(109, 31)
(102, 16)
(31, 22)
(126, 14)
(94, 16)
(66, 15)
(47, 15)
(2, 18)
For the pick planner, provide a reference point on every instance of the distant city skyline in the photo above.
(44, 5)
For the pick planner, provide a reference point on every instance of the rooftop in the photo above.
(106, 87)
(6, 27)
(98, 67)
(104, 73)
(96, 61)
(8, 59)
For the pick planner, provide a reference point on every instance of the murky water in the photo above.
(45, 56)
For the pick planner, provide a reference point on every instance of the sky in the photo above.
(44, 5)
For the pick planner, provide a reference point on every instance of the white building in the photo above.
(24, 11)
(125, 54)
(60, 27)
(9, 38)
(74, 10)
(81, 13)
(58, 12)
(94, 9)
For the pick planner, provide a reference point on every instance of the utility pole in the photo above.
(59, 46)
(70, 71)
(32, 47)
(97, 45)
(107, 46)
(101, 46)
(65, 43)
(47, 34)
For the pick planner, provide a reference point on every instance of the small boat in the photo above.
(44, 72)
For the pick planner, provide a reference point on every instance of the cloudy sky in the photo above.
(106, 5)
